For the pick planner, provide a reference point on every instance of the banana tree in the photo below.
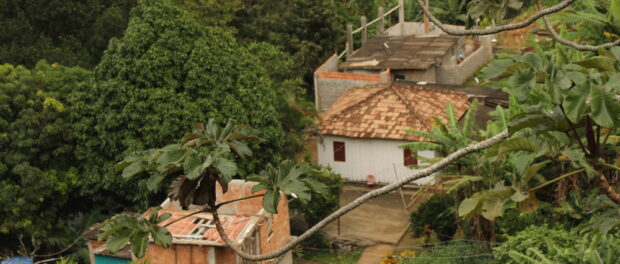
(575, 110)
(204, 158)
(494, 10)
(472, 173)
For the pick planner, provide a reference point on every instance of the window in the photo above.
(339, 154)
(410, 158)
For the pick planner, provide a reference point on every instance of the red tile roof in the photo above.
(200, 227)
(387, 110)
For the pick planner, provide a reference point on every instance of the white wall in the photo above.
(417, 28)
(368, 156)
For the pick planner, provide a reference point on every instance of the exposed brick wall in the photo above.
(185, 254)
(225, 255)
(159, 255)
(274, 233)
(350, 76)
(239, 189)
(197, 254)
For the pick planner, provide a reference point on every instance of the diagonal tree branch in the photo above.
(493, 30)
(573, 44)
(362, 199)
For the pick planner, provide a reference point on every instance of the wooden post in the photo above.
(381, 20)
(427, 27)
(402, 196)
(338, 226)
(401, 16)
(349, 40)
(364, 32)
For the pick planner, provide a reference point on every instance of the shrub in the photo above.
(534, 240)
(513, 221)
(437, 213)
(454, 252)
(321, 205)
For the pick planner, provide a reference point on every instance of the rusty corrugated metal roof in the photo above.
(200, 227)
(400, 52)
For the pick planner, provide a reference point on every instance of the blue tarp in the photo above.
(99, 259)
(17, 260)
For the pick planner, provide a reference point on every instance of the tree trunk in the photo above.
(608, 189)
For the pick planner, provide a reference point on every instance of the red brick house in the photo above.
(196, 241)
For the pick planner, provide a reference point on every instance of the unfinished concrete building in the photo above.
(411, 51)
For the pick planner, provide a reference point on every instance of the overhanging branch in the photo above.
(362, 199)
(493, 30)
(573, 44)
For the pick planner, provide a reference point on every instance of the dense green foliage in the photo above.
(167, 73)
(60, 31)
(546, 240)
(541, 244)
(39, 174)
(453, 252)
(320, 205)
(436, 213)
(308, 30)
(513, 220)
(180, 62)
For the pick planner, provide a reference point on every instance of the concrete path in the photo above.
(382, 220)
(375, 254)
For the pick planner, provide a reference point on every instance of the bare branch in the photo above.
(236, 200)
(362, 199)
(572, 44)
(203, 210)
(493, 30)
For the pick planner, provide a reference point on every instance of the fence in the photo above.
(363, 29)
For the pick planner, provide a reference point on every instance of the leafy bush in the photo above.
(547, 245)
(38, 169)
(437, 213)
(454, 252)
(560, 244)
(513, 220)
(321, 205)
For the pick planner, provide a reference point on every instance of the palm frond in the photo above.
(421, 145)
(469, 118)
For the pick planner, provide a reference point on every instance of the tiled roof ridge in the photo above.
(432, 86)
(367, 98)
(412, 108)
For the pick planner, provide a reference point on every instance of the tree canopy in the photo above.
(167, 73)
(39, 172)
(67, 32)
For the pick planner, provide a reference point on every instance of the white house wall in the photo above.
(368, 157)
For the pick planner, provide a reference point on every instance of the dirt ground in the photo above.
(382, 220)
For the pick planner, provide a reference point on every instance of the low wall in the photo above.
(458, 74)
(329, 83)
(417, 28)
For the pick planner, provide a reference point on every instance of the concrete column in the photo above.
(364, 32)
(401, 16)
(381, 20)
(349, 40)
(426, 22)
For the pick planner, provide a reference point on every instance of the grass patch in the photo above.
(332, 258)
